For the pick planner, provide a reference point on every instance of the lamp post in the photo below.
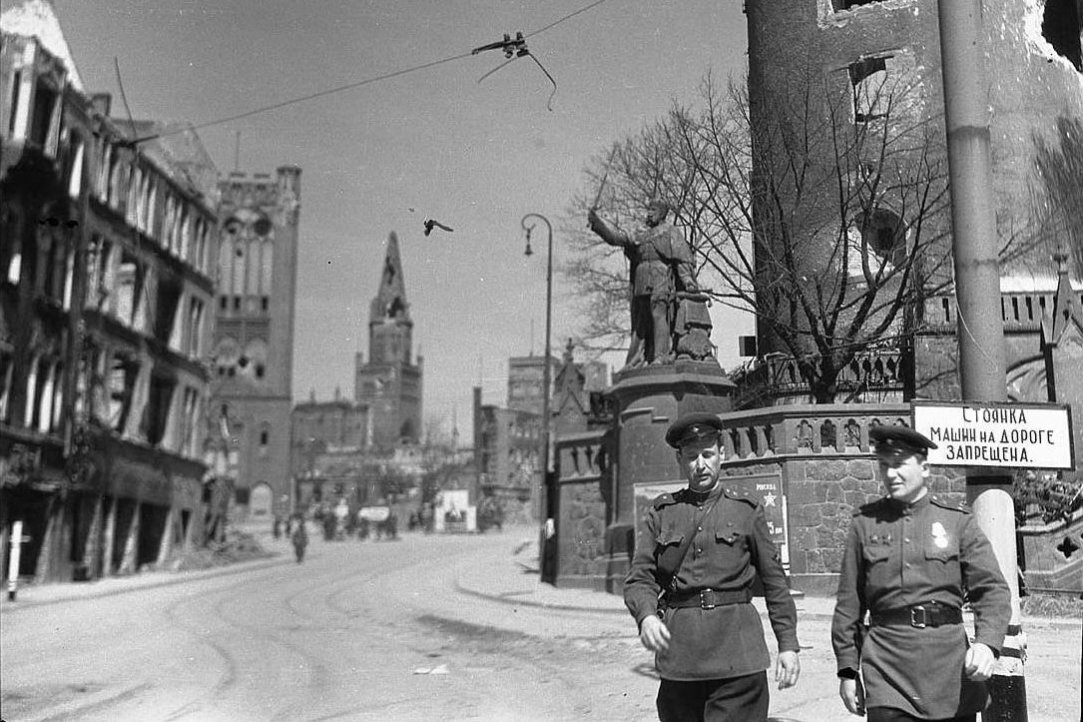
(546, 371)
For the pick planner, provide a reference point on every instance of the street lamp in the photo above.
(546, 371)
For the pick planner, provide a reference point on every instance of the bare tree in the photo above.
(1058, 195)
(833, 237)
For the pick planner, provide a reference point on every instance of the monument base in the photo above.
(646, 400)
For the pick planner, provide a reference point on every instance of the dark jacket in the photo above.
(898, 556)
(731, 546)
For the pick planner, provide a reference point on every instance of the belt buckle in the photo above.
(702, 602)
(914, 617)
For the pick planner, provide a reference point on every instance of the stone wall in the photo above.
(827, 469)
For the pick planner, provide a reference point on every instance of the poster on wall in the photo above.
(766, 488)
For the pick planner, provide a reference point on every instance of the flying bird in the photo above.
(430, 224)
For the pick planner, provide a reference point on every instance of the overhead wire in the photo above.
(356, 84)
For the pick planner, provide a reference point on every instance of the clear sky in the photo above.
(476, 157)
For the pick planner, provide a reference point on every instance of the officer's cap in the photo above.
(692, 427)
(889, 439)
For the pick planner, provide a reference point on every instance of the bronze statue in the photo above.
(661, 268)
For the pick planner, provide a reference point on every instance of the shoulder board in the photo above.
(740, 496)
(944, 504)
(663, 500)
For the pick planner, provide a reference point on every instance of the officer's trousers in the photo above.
(737, 699)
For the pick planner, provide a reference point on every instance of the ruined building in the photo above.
(390, 383)
(106, 283)
(252, 383)
(871, 69)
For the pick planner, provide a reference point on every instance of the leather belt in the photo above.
(931, 614)
(710, 598)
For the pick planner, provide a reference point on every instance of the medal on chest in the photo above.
(940, 535)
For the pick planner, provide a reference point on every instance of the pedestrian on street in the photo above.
(300, 540)
(909, 557)
(698, 553)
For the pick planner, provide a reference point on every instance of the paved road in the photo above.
(342, 636)
(382, 631)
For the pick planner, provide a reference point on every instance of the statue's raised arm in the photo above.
(608, 232)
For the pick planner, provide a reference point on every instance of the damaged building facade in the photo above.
(106, 294)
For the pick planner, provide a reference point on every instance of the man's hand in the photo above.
(853, 695)
(787, 669)
(654, 634)
(978, 665)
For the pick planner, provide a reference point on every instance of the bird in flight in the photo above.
(430, 224)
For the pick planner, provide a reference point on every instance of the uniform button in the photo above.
(699, 528)
(907, 540)
(907, 565)
(699, 551)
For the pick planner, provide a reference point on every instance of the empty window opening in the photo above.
(16, 86)
(169, 294)
(156, 412)
(868, 77)
(1015, 308)
(41, 122)
(121, 382)
(1061, 26)
(128, 285)
(1030, 308)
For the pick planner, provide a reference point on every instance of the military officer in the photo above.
(697, 555)
(908, 559)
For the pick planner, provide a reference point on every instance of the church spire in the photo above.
(1067, 308)
(390, 302)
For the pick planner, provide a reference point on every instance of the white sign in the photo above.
(1023, 436)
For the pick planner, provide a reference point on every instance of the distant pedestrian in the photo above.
(697, 556)
(910, 560)
(300, 540)
(276, 527)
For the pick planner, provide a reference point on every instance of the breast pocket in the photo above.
(948, 553)
(668, 537)
(876, 553)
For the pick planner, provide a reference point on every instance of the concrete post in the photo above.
(977, 289)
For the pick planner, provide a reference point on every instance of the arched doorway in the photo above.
(261, 500)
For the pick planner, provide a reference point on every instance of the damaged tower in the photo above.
(860, 62)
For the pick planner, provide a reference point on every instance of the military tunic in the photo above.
(730, 547)
(897, 556)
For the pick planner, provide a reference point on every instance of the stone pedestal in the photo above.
(645, 402)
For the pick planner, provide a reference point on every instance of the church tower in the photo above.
(390, 383)
(252, 384)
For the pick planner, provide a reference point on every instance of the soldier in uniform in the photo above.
(697, 555)
(661, 265)
(910, 561)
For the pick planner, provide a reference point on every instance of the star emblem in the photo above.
(769, 499)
